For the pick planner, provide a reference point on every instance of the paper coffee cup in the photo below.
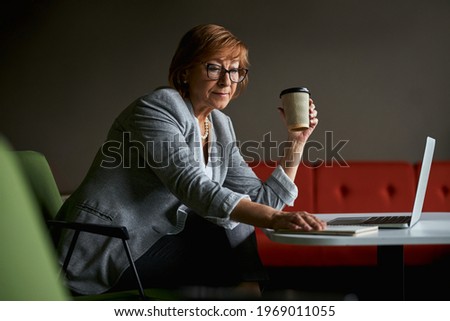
(295, 102)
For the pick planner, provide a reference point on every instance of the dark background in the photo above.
(379, 71)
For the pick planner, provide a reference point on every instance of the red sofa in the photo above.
(365, 186)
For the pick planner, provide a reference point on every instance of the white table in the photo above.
(433, 228)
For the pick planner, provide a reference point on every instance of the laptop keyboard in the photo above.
(388, 220)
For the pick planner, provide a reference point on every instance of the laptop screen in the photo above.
(423, 180)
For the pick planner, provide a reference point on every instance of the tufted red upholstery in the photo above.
(365, 187)
(362, 187)
(277, 254)
(437, 198)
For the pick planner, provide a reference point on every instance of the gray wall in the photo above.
(379, 71)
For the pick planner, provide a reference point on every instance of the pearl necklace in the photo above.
(206, 130)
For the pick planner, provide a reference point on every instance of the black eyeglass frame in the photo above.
(223, 70)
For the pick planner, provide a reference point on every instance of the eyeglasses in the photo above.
(236, 75)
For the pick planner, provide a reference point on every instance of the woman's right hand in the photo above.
(297, 221)
(265, 216)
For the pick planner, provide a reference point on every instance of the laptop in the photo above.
(397, 221)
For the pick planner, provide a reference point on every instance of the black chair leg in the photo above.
(69, 253)
(133, 266)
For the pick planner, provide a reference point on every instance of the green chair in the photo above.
(40, 177)
(28, 264)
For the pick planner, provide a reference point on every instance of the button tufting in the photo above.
(344, 191)
(445, 190)
(391, 190)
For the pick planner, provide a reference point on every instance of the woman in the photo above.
(171, 173)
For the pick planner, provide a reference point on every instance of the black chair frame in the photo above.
(119, 232)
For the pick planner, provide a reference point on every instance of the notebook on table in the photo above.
(399, 221)
(345, 230)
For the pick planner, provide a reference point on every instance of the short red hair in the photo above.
(200, 44)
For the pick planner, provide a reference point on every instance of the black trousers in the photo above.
(202, 254)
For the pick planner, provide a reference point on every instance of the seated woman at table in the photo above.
(170, 171)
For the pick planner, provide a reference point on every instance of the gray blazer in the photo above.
(148, 175)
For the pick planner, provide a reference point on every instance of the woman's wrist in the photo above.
(292, 158)
(252, 213)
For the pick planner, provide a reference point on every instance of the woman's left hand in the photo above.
(302, 136)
